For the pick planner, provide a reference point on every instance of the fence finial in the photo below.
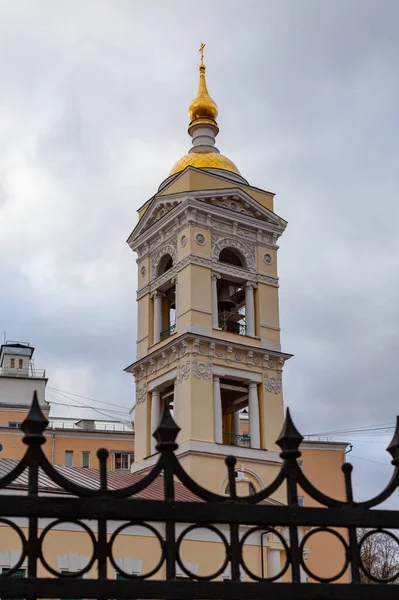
(166, 432)
(34, 424)
(393, 447)
(289, 439)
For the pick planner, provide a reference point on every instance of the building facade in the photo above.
(71, 443)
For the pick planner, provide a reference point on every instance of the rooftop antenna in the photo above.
(5, 335)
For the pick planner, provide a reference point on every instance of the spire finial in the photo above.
(203, 107)
(201, 51)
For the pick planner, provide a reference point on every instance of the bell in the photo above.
(225, 301)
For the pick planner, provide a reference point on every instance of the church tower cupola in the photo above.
(203, 129)
(208, 332)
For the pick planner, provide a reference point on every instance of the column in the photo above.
(249, 309)
(253, 410)
(157, 316)
(273, 562)
(174, 281)
(235, 420)
(217, 411)
(155, 416)
(175, 415)
(214, 294)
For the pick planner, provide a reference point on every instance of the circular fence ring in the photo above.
(74, 574)
(364, 569)
(157, 535)
(284, 544)
(221, 535)
(24, 544)
(343, 542)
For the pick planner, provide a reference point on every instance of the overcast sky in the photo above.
(93, 114)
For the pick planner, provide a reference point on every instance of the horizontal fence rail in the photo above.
(232, 518)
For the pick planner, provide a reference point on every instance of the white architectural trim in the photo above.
(211, 449)
(9, 559)
(190, 566)
(243, 469)
(320, 445)
(133, 566)
(270, 346)
(270, 327)
(237, 374)
(162, 379)
(195, 309)
(71, 562)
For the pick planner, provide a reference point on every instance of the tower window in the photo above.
(231, 256)
(12, 363)
(165, 264)
(20, 363)
(231, 306)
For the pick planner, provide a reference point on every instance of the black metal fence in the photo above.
(104, 505)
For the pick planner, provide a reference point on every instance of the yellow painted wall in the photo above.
(14, 448)
(209, 553)
(195, 179)
(323, 469)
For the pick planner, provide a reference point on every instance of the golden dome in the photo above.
(205, 160)
(202, 107)
(203, 129)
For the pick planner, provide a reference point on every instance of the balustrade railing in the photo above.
(168, 332)
(235, 439)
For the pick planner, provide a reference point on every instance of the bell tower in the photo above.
(208, 333)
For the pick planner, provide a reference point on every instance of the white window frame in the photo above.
(87, 453)
(68, 453)
(130, 459)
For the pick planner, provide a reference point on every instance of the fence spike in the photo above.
(289, 439)
(393, 447)
(35, 423)
(166, 432)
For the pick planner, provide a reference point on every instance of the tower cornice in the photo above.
(205, 348)
(211, 209)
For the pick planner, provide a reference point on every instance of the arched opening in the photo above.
(231, 306)
(165, 264)
(251, 487)
(231, 256)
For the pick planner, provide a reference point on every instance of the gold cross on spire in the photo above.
(201, 50)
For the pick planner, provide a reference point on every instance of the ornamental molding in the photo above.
(272, 384)
(161, 210)
(201, 370)
(170, 249)
(189, 352)
(217, 267)
(192, 208)
(247, 250)
(183, 371)
(141, 394)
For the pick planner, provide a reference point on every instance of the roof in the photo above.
(90, 478)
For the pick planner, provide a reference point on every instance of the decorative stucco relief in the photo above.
(183, 371)
(201, 370)
(141, 394)
(167, 249)
(247, 251)
(272, 384)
